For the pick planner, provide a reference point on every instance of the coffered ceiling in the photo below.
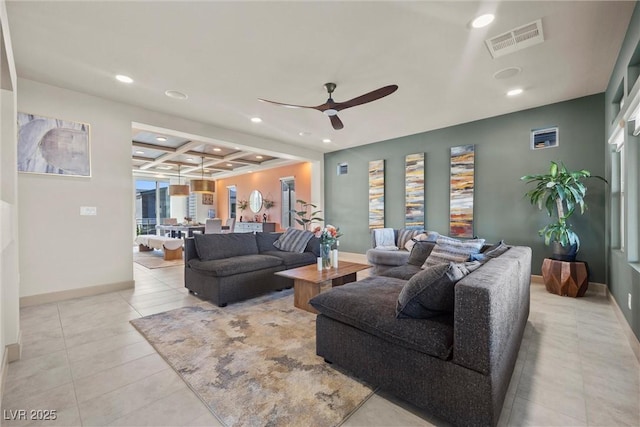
(226, 55)
(165, 154)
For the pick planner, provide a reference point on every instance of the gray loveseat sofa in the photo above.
(234, 266)
(458, 365)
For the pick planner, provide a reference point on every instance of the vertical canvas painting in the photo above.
(414, 191)
(462, 184)
(376, 194)
(53, 146)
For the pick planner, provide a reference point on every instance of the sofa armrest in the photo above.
(189, 249)
(489, 306)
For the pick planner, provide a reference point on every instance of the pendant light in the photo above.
(179, 189)
(203, 185)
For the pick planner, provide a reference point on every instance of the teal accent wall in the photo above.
(502, 156)
(624, 267)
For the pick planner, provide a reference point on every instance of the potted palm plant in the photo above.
(304, 217)
(560, 191)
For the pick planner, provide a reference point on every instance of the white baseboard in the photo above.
(626, 328)
(14, 351)
(74, 293)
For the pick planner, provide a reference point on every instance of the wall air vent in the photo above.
(516, 39)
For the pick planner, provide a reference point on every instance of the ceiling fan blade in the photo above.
(285, 105)
(336, 122)
(367, 97)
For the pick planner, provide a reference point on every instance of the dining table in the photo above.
(178, 230)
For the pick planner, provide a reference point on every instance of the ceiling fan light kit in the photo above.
(331, 108)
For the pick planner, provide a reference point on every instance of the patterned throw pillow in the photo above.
(449, 249)
(293, 240)
(425, 236)
(431, 292)
(405, 235)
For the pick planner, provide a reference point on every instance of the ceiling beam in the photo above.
(153, 147)
(170, 155)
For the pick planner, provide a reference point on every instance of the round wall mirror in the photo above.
(255, 201)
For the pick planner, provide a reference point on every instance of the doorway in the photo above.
(288, 194)
(231, 202)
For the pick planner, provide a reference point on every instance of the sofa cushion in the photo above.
(218, 246)
(420, 252)
(236, 265)
(265, 241)
(431, 292)
(313, 246)
(293, 240)
(448, 249)
(404, 272)
(293, 259)
(369, 305)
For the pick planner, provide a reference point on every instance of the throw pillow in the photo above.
(293, 240)
(405, 235)
(431, 292)
(449, 249)
(419, 252)
(430, 236)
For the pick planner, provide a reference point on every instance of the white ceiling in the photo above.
(226, 55)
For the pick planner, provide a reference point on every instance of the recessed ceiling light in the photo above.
(236, 148)
(175, 94)
(514, 92)
(256, 119)
(482, 20)
(190, 160)
(124, 79)
(139, 152)
(229, 164)
(207, 170)
(217, 149)
(326, 140)
(304, 133)
(258, 157)
(250, 171)
(161, 138)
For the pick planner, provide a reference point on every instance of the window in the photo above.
(153, 205)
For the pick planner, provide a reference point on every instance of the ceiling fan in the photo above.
(331, 108)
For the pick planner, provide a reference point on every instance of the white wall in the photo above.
(61, 250)
(9, 277)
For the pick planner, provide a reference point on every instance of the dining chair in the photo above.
(213, 226)
(230, 225)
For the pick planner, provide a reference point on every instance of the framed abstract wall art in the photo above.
(414, 191)
(461, 188)
(53, 146)
(376, 194)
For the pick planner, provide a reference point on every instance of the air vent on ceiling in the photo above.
(516, 39)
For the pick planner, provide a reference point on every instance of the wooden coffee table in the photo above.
(307, 280)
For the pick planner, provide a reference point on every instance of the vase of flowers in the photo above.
(328, 239)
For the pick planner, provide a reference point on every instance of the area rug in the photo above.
(154, 259)
(254, 363)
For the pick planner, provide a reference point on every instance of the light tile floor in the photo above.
(82, 358)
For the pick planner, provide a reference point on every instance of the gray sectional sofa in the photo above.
(234, 266)
(456, 365)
